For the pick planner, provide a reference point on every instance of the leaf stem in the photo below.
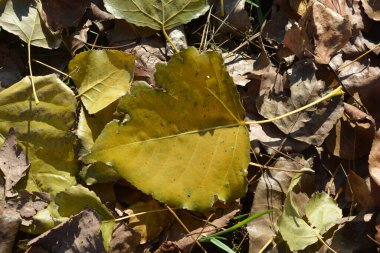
(279, 169)
(324, 243)
(169, 40)
(222, 8)
(30, 67)
(52, 68)
(336, 92)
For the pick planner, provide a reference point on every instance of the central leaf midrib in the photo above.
(239, 124)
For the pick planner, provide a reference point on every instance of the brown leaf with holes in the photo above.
(13, 163)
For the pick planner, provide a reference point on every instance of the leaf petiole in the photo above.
(169, 40)
(336, 92)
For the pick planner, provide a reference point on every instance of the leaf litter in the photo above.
(137, 149)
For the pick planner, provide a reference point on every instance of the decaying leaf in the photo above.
(321, 212)
(26, 206)
(102, 76)
(372, 9)
(239, 66)
(22, 19)
(311, 125)
(158, 14)
(69, 205)
(9, 225)
(59, 14)
(124, 239)
(270, 195)
(43, 130)
(352, 235)
(151, 224)
(374, 159)
(321, 31)
(199, 152)
(178, 239)
(81, 233)
(13, 163)
(360, 191)
(351, 137)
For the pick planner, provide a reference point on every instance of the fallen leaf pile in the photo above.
(116, 136)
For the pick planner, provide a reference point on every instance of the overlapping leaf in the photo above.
(43, 130)
(321, 211)
(158, 13)
(312, 125)
(22, 19)
(102, 76)
(187, 157)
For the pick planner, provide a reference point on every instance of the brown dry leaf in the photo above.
(374, 159)
(275, 28)
(59, 14)
(361, 191)
(9, 225)
(13, 163)
(26, 205)
(237, 17)
(352, 136)
(270, 195)
(372, 9)
(351, 236)
(328, 30)
(272, 140)
(313, 125)
(148, 53)
(151, 224)
(179, 240)
(239, 66)
(124, 239)
(81, 234)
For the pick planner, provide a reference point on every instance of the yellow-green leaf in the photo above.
(102, 76)
(187, 145)
(322, 212)
(23, 20)
(43, 130)
(157, 14)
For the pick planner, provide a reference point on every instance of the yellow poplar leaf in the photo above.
(43, 130)
(157, 14)
(102, 76)
(186, 144)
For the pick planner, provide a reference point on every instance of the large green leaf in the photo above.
(157, 14)
(187, 145)
(22, 19)
(102, 76)
(43, 130)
